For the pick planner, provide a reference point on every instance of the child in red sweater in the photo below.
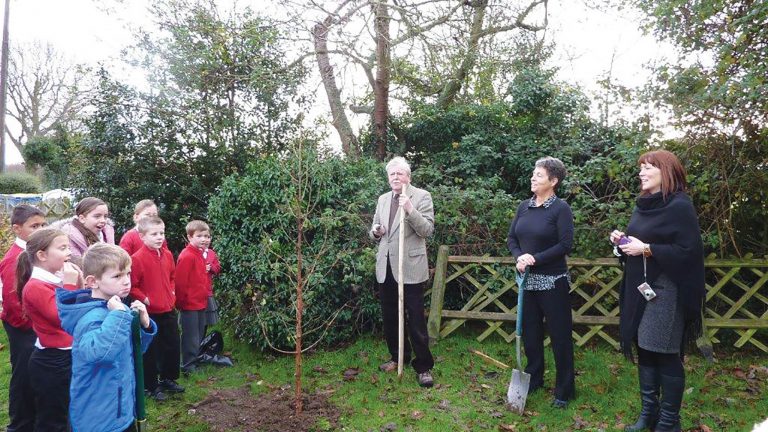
(152, 282)
(130, 241)
(193, 291)
(25, 219)
(213, 267)
(50, 364)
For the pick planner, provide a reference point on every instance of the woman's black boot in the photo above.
(671, 398)
(649, 396)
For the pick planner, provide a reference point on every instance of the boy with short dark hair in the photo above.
(152, 282)
(25, 219)
(102, 351)
(192, 292)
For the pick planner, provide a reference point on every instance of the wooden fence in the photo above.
(483, 289)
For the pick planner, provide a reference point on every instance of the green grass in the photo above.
(725, 396)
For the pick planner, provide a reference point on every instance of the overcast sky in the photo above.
(590, 41)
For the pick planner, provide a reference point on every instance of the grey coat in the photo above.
(419, 225)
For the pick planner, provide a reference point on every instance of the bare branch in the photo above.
(416, 31)
(310, 347)
(519, 22)
(45, 90)
(340, 122)
(361, 109)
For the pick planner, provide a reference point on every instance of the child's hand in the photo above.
(141, 308)
(114, 303)
(71, 274)
(146, 301)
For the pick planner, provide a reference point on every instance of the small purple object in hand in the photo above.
(624, 240)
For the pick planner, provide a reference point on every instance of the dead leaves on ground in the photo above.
(351, 373)
(752, 377)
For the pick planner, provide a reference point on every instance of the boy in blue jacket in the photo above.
(103, 378)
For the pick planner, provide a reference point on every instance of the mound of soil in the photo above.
(238, 410)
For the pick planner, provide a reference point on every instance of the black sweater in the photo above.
(544, 232)
(671, 227)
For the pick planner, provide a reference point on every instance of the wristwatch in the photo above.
(647, 250)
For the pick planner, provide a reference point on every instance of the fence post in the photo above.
(438, 293)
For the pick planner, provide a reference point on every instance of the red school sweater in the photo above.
(191, 280)
(39, 302)
(152, 276)
(131, 241)
(12, 313)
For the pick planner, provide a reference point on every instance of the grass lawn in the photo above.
(728, 395)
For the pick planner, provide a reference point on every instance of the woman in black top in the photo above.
(539, 237)
(662, 247)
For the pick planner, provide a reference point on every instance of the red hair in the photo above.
(672, 171)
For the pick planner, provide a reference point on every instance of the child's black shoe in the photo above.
(170, 386)
(156, 394)
(188, 369)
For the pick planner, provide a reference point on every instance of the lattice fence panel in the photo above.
(736, 303)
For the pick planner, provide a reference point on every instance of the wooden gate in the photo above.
(736, 298)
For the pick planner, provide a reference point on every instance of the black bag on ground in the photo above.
(212, 344)
(211, 348)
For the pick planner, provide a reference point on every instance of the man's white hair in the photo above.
(399, 161)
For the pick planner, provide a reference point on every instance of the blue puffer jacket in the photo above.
(102, 393)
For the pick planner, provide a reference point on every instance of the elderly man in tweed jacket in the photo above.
(419, 224)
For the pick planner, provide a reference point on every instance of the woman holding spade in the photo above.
(539, 238)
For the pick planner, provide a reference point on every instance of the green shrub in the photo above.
(253, 215)
(6, 232)
(472, 221)
(14, 183)
(52, 155)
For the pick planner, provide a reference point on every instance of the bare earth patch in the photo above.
(238, 410)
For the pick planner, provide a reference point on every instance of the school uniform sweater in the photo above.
(12, 313)
(39, 303)
(131, 241)
(152, 277)
(210, 258)
(191, 280)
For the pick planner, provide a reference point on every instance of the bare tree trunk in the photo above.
(4, 84)
(381, 88)
(453, 86)
(299, 311)
(349, 142)
(300, 217)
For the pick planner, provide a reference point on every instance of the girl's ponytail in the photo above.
(23, 273)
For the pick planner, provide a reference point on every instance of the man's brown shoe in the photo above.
(388, 366)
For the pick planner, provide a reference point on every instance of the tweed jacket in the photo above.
(419, 225)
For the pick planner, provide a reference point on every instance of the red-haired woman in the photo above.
(662, 248)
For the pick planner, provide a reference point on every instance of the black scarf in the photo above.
(671, 227)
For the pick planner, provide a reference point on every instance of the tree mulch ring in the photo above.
(236, 409)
